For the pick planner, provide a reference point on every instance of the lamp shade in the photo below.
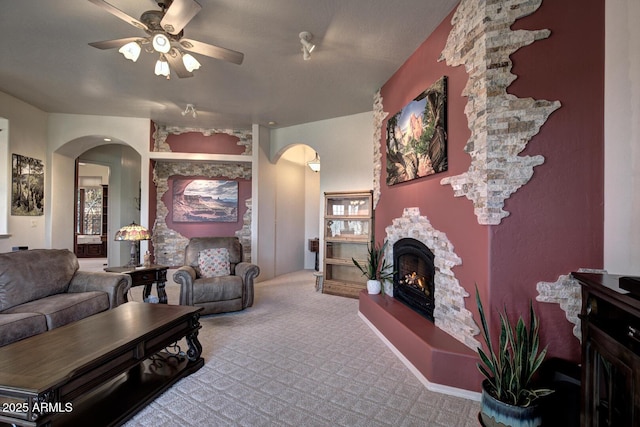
(130, 51)
(190, 63)
(133, 232)
(162, 67)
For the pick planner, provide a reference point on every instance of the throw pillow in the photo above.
(214, 262)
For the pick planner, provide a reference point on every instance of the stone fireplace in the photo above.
(449, 311)
(414, 273)
(437, 341)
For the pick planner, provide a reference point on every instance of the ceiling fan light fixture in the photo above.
(162, 67)
(161, 43)
(131, 51)
(190, 63)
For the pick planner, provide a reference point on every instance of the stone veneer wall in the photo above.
(168, 244)
(501, 124)
(449, 313)
(378, 118)
(567, 292)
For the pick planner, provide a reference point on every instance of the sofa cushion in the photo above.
(14, 327)
(30, 275)
(214, 262)
(217, 289)
(61, 309)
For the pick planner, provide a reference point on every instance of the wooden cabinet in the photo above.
(610, 351)
(348, 230)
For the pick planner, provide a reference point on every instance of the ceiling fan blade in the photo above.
(212, 51)
(110, 44)
(175, 62)
(179, 14)
(119, 14)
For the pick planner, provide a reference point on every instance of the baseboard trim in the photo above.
(438, 388)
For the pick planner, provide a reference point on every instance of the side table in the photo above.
(146, 276)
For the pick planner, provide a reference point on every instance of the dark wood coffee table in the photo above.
(100, 370)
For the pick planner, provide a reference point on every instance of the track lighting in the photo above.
(307, 46)
(190, 109)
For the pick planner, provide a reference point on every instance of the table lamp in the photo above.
(132, 233)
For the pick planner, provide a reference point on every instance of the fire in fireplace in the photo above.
(414, 272)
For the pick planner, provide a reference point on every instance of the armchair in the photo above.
(220, 294)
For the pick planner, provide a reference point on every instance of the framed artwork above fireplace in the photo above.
(417, 136)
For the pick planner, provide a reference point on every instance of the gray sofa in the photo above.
(43, 289)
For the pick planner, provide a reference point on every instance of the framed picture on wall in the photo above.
(205, 200)
(417, 136)
(27, 186)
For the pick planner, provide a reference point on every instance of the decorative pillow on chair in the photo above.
(214, 262)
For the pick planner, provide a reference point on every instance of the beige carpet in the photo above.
(298, 358)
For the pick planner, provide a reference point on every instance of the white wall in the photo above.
(27, 137)
(70, 135)
(622, 137)
(345, 147)
(311, 207)
(290, 212)
(263, 203)
(5, 177)
(124, 164)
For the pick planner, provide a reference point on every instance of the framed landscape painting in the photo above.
(205, 200)
(417, 136)
(27, 186)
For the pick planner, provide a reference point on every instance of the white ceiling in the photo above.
(46, 61)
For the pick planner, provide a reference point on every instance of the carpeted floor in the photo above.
(298, 358)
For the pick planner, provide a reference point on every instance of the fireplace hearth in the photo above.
(413, 279)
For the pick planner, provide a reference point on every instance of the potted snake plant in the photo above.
(509, 397)
(376, 268)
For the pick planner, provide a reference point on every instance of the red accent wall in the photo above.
(556, 221)
(195, 142)
(451, 215)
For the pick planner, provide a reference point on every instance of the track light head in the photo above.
(190, 109)
(307, 46)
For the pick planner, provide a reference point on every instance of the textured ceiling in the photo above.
(46, 61)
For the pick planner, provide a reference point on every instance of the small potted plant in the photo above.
(509, 397)
(376, 268)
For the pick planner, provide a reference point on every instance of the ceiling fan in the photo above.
(165, 31)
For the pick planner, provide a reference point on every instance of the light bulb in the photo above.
(161, 43)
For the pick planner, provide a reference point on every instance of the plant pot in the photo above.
(373, 286)
(494, 413)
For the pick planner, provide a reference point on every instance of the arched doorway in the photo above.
(297, 213)
(124, 179)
